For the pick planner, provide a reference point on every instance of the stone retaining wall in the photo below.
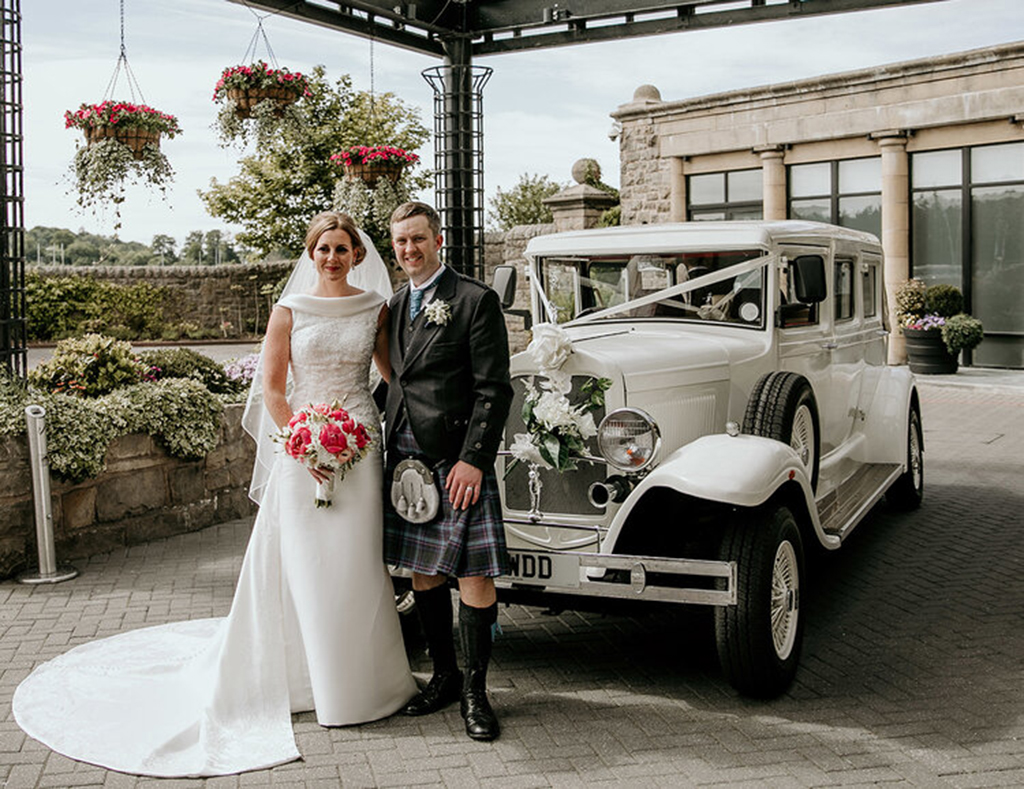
(143, 495)
(204, 295)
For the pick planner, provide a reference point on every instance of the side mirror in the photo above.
(809, 278)
(505, 285)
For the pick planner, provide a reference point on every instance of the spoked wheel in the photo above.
(907, 492)
(782, 407)
(759, 639)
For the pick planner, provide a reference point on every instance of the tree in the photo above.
(522, 204)
(163, 248)
(217, 248)
(281, 186)
(192, 249)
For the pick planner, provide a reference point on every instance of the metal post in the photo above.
(49, 572)
(458, 155)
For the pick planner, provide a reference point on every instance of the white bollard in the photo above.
(49, 572)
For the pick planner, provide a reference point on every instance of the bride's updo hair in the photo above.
(335, 220)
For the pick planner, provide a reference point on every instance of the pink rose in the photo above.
(333, 440)
(299, 417)
(348, 425)
(322, 408)
(298, 442)
(362, 437)
(339, 415)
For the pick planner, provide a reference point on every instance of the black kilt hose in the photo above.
(461, 543)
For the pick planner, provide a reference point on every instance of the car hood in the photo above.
(654, 357)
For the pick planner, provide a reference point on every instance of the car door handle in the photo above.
(830, 346)
(882, 332)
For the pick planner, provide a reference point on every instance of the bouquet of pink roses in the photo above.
(325, 437)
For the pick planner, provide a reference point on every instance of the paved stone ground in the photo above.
(912, 674)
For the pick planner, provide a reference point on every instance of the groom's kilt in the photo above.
(461, 543)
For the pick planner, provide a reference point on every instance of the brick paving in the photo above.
(912, 673)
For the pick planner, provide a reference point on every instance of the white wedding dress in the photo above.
(313, 623)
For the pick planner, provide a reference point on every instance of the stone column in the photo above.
(773, 179)
(677, 190)
(580, 207)
(895, 227)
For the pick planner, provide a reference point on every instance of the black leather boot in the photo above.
(475, 629)
(434, 607)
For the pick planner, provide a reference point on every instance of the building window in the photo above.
(967, 231)
(846, 193)
(733, 195)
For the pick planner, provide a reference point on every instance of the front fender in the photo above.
(744, 471)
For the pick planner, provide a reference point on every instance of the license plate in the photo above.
(544, 569)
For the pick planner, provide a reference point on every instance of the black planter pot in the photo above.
(927, 353)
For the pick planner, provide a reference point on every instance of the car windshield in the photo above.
(581, 285)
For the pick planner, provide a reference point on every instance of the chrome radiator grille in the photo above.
(561, 493)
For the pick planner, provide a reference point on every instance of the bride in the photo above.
(313, 623)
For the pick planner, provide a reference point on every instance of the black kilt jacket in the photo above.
(451, 381)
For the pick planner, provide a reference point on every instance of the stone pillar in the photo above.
(677, 190)
(773, 178)
(895, 227)
(580, 206)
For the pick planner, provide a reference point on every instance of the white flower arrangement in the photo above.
(557, 430)
(438, 311)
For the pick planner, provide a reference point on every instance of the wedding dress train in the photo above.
(312, 625)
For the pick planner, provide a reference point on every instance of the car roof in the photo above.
(683, 236)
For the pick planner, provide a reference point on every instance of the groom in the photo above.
(447, 401)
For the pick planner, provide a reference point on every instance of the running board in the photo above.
(841, 509)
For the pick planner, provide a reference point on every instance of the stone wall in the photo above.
(510, 251)
(143, 495)
(204, 295)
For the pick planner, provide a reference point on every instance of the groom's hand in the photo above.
(463, 485)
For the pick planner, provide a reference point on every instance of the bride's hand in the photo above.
(320, 474)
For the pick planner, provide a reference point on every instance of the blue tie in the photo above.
(415, 302)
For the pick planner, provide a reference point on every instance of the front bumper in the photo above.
(583, 574)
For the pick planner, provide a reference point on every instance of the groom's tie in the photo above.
(415, 302)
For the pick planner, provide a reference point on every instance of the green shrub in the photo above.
(181, 414)
(186, 363)
(59, 307)
(89, 366)
(910, 301)
(943, 300)
(962, 333)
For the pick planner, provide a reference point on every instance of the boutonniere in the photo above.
(438, 311)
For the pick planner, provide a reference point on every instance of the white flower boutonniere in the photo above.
(438, 312)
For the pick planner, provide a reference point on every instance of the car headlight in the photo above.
(628, 439)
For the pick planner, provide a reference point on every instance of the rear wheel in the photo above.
(759, 639)
(907, 492)
(782, 407)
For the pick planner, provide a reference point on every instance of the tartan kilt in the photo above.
(460, 543)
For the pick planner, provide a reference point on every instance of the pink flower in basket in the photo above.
(328, 438)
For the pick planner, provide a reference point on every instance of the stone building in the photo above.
(926, 154)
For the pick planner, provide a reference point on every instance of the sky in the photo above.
(543, 109)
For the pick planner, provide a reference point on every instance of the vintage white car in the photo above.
(750, 414)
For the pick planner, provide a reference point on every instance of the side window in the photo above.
(843, 290)
(791, 311)
(869, 289)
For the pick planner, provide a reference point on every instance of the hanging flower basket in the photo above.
(370, 163)
(133, 125)
(247, 86)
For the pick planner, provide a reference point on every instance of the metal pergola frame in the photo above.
(460, 30)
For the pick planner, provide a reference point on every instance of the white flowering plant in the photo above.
(557, 430)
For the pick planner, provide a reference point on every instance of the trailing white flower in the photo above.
(523, 449)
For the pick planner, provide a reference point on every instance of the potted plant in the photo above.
(369, 163)
(256, 93)
(935, 326)
(122, 146)
(132, 125)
